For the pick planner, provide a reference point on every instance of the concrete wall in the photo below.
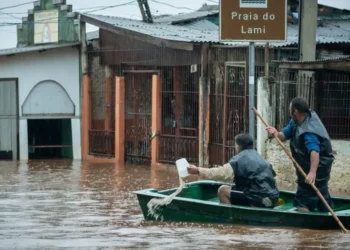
(266, 106)
(48, 92)
(286, 175)
(59, 65)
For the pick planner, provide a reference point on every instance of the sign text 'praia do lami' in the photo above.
(253, 20)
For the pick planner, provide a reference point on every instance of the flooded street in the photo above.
(64, 204)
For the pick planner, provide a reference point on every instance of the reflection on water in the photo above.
(58, 204)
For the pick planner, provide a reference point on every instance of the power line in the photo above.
(13, 6)
(93, 9)
(176, 7)
(110, 7)
(64, 20)
(10, 15)
(87, 8)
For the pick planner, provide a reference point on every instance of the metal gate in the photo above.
(138, 115)
(180, 98)
(228, 111)
(8, 120)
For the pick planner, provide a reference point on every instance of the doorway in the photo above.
(9, 119)
(138, 115)
(50, 139)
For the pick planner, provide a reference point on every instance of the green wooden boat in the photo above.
(198, 202)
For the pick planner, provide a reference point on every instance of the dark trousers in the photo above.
(306, 197)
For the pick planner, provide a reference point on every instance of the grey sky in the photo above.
(341, 4)
(8, 33)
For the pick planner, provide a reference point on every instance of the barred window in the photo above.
(253, 4)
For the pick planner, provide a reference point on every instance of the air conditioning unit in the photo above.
(253, 3)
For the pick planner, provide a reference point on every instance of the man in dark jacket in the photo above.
(253, 177)
(312, 150)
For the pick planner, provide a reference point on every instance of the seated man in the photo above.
(253, 176)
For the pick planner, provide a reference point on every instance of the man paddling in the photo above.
(253, 176)
(311, 148)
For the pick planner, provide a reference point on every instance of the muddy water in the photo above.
(60, 205)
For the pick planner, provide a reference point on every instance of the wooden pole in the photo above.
(305, 176)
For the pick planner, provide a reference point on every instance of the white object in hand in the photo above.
(181, 166)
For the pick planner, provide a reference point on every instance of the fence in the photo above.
(334, 103)
(228, 110)
(101, 143)
(291, 84)
(101, 139)
(327, 92)
(229, 98)
(180, 97)
(138, 115)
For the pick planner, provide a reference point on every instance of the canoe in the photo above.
(198, 202)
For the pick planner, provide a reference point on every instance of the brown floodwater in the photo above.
(69, 204)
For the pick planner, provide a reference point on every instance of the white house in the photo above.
(40, 102)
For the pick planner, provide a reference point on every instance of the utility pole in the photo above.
(308, 11)
(145, 11)
(307, 30)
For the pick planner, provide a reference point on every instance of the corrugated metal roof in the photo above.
(163, 31)
(185, 17)
(209, 7)
(335, 59)
(207, 10)
(12, 51)
(201, 25)
(329, 33)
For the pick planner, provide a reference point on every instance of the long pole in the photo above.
(251, 89)
(305, 176)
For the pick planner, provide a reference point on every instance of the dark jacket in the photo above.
(254, 176)
(312, 124)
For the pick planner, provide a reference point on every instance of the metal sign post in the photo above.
(253, 21)
(251, 89)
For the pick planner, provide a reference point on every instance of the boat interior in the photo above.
(207, 191)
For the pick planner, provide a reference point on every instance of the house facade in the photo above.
(40, 86)
(183, 92)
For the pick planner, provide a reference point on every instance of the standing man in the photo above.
(311, 148)
(253, 176)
